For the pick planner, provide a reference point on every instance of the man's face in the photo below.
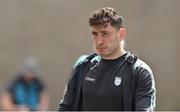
(106, 41)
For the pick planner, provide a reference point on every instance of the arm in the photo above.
(67, 101)
(145, 91)
(7, 103)
(44, 101)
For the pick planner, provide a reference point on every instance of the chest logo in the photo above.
(89, 79)
(117, 81)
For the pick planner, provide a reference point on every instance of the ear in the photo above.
(122, 32)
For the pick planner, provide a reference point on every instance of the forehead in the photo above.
(100, 28)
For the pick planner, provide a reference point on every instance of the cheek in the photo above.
(94, 43)
(112, 41)
(94, 40)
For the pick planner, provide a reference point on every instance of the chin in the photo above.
(103, 54)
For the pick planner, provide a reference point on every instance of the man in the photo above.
(26, 92)
(113, 78)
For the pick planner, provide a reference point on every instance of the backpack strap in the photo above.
(129, 81)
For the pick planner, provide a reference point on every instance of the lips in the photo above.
(101, 49)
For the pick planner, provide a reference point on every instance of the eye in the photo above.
(94, 33)
(105, 34)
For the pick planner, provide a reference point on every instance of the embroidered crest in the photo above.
(117, 81)
(89, 79)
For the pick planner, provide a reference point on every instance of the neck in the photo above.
(121, 51)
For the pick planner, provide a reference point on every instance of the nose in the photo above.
(99, 41)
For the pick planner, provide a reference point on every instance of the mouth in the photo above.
(101, 49)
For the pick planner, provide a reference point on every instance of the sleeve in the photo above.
(145, 91)
(67, 101)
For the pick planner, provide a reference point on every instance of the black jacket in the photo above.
(138, 84)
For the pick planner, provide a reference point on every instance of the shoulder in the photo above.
(86, 58)
(17, 79)
(10, 85)
(80, 60)
(139, 64)
(141, 69)
(144, 74)
(39, 82)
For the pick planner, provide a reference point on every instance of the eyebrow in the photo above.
(105, 31)
(93, 32)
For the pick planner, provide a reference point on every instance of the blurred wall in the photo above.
(57, 32)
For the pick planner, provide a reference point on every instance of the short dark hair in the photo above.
(104, 16)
